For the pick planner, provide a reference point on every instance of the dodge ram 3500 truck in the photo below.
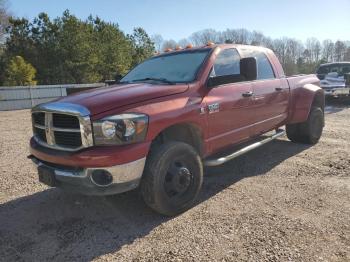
(167, 118)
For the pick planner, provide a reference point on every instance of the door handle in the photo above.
(248, 94)
(278, 88)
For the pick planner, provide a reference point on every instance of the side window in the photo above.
(264, 67)
(265, 70)
(226, 63)
(323, 70)
(345, 69)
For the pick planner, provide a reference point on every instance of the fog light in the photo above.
(101, 177)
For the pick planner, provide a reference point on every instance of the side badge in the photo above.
(213, 108)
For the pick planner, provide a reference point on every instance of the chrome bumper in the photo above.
(337, 91)
(125, 177)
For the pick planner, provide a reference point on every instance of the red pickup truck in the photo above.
(170, 116)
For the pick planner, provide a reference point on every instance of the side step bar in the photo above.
(222, 160)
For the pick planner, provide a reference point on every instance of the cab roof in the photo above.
(335, 63)
(213, 46)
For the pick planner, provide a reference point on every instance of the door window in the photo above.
(226, 63)
(264, 67)
(265, 70)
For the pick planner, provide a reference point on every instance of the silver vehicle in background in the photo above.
(335, 78)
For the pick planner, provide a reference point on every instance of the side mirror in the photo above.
(118, 77)
(248, 68)
(116, 80)
(212, 81)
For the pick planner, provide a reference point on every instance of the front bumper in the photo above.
(125, 177)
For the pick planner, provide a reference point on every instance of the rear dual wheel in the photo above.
(172, 179)
(310, 131)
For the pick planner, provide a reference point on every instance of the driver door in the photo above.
(230, 105)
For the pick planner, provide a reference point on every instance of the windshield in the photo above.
(340, 69)
(178, 67)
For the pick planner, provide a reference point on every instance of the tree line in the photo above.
(68, 50)
(296, 56)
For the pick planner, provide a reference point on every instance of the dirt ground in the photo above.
(282, 202)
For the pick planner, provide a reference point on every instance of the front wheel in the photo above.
(310, 131)
(172, 179)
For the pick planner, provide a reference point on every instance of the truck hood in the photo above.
(107, 98)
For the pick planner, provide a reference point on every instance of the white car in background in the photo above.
(335, 78)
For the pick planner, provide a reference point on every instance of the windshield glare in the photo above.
(177, 67)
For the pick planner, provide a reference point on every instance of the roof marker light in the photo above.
(210, 43)
(177, 48)
(168, 50)
(189, 46)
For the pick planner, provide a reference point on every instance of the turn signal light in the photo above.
(210, 43)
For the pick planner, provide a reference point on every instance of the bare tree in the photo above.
(240, 36)
(294, 50)
(347, 54)
(314, 47)
(229, 36)
(204, 36)
(4, 16)
(169, 44)
(184, 42)
(317, 51)
(289, 51)
(280, 49)
(257, 38)
(339, 51)
(295, 56)
(267, 42)
(328, 50)
(243, 36)
(158, 41)
(307, 56)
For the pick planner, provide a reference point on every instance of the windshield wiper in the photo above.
(164, 80)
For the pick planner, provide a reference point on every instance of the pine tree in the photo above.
(20, 73)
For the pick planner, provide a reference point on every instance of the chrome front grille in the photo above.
(70, 139)
(62, 126)
(65, 121)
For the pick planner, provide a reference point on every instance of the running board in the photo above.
(222, 160)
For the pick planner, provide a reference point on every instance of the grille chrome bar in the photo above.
(39, 126)
(50, 136)
(51, 110)
(71, 130)
(86, 131)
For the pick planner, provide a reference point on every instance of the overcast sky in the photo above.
(177, 19)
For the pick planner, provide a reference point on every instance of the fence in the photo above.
(23, 97)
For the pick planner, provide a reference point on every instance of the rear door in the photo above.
(270, 95)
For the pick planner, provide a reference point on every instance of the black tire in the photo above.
(310, 131)
(172, 179)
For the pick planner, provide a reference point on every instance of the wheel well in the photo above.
(318, 101)
(187, 133)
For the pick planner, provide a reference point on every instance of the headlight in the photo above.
(108, 129)
(120, 129)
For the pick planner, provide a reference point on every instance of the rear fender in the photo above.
(302, 100)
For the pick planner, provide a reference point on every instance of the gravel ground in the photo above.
(282, 202)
